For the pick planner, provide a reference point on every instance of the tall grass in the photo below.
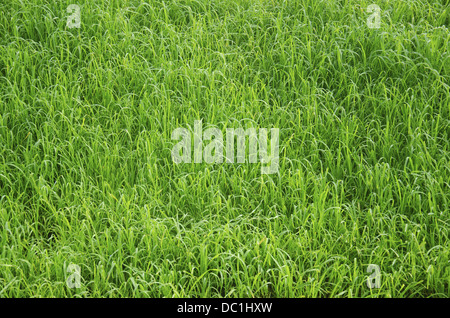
(86, 174)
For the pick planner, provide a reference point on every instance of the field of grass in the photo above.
(87, 177)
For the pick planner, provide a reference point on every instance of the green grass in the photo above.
(86, 174)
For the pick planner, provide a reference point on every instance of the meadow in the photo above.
(87, 178)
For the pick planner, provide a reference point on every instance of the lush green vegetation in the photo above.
(86, 174)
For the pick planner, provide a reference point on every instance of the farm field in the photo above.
(93, 203)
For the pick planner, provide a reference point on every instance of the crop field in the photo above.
(120, 174)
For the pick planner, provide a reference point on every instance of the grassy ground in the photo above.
(87, 177)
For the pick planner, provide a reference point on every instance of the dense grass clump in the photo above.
(87, 177)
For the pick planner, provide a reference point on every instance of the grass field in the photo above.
(87, 177)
